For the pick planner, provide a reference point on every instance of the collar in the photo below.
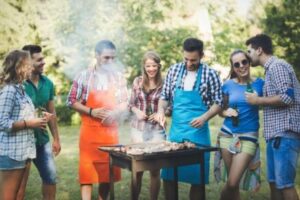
(269, 62)
(41, 78)
(184, 67)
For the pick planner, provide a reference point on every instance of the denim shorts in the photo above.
(7, 163)
(44, 162)
(282, 161)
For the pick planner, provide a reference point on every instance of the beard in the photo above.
(193, 67)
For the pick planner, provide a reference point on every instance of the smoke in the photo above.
(76, 27)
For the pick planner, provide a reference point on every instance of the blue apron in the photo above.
(188, 105)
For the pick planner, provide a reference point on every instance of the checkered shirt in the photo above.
(210, 85)
(87, 81)
(139, 99)
(15, 105)
(281, 80)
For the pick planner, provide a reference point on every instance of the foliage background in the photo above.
(68, 31)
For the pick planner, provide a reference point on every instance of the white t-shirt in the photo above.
(189, 80)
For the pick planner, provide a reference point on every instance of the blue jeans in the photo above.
(282, 161)
(44, 162)
(6, 163)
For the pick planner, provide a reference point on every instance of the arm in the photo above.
(74, 100)
(214, 86)
(199, 121)
(225, 105)
(284, 92)
(7, 100)
(29, 124)
(226, 111)
(160, 117)
(52, 123)
(254, 99)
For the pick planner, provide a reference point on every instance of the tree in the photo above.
(22, 22)
(282, 23)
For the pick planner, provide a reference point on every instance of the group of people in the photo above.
(26, 107)
(192, 93)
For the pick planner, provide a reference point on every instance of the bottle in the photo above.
(235, 119)
(249, 87)
(149, 110)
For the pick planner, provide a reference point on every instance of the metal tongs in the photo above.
(197, 144)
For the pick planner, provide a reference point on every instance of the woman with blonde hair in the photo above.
(17, 120)
(143, 104)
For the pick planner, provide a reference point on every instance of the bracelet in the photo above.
(25, 125)
(90, 112)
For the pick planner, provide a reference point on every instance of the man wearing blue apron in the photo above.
(194, 92)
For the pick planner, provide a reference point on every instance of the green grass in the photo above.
(67, 167)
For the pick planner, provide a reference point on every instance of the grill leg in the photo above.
(111, 179)
(134, 188)
(202, 175)
(175, 183)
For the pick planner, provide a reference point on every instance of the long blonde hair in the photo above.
(12, 68)
(158, 80)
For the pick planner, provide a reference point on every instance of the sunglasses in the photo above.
(238, 64)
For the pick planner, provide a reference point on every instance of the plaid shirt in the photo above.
(140, 100)
(91, 79)
(281, 80)
(210, 85)
(15, 105)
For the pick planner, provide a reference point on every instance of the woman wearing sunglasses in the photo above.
(239, 132)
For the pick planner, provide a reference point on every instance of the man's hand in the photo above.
(100, 113)
(198, 122)
(111, 116)
(252, 98)
(56, 147)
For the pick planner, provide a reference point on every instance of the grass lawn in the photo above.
(67, 166)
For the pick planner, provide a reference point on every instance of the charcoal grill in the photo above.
(154, 161)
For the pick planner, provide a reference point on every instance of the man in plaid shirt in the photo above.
(194, 91)
(281, 103)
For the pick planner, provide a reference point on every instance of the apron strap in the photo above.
(199, 76)
(198, 80)
(180, 75)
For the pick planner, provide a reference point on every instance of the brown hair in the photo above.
(232, 74)
(158, 80)
(12, 67)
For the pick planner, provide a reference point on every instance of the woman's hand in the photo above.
(230, 112)
(140, 114)
(160, 118)
(152, 117)
(48, 116)
(37, 123)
